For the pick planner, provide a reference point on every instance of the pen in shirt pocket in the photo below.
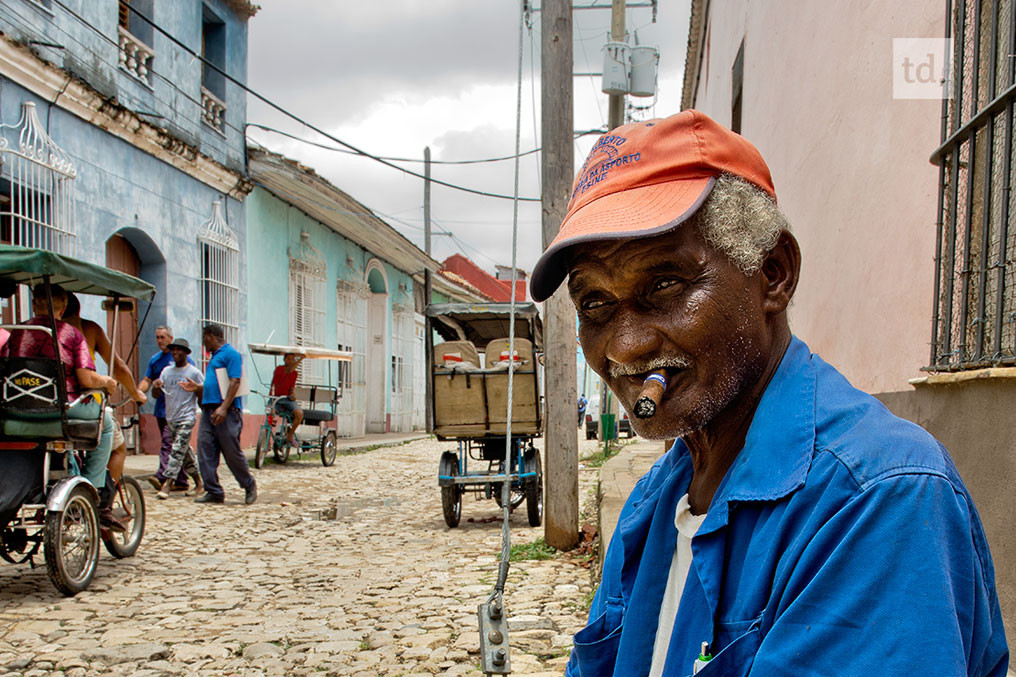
(704, 657)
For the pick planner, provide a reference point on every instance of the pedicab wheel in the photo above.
(451, 494)
(534, 488)
(281, 452)
(329, 448)
(71, 541)
(129, 508)
(517, 495)
(264, 442)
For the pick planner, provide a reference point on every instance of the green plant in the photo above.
(537, 550)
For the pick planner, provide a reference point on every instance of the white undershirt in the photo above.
(687, 524)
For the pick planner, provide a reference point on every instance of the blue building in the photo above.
(120, 146)
(325, 271)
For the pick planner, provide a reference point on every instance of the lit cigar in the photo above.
(652, 393)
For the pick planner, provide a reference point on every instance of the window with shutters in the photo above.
(403, 347)
(351, 332)
(307, 307)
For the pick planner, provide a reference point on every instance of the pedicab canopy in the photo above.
(483, 322)
(24, 265)
(306, 351)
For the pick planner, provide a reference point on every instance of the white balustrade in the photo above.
(213, 111)
(136, 57)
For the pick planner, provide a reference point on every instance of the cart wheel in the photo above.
(264, 444)
(281, 452)
(518, 494)
(534, 488)
(328, 449)
(72, 542)
(129, 508)
(451, 494)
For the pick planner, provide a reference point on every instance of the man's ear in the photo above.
(780, 272)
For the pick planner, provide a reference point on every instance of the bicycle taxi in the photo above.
(318, 402)
(470, 393)
(43, 501)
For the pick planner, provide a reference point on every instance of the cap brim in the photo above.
(645, 211)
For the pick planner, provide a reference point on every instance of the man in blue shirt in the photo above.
(221, 419)
(158, 362)
(796, 527)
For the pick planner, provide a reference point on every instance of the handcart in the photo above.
(44, 503)
(318, 402)
(469, 395)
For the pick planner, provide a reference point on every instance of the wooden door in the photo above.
(121, 256)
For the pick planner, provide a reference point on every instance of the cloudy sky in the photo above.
(395, 76)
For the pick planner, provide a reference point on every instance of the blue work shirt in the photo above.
(840, 542)
(160, 361)
(226, 358)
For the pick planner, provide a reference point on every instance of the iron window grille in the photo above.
(974, 318)
(36, 187)
(219, 260)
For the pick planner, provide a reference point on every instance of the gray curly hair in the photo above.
(740, 220)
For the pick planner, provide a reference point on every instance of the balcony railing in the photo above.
(136, 57)
(213, 111)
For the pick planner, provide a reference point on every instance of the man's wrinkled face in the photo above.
(672, 302)
(163, 338)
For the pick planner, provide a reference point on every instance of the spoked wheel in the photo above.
(281, 451)
(451, 494)
(129, 508)
(329, 447)
(264, 444)
(72, 542)
(534, 488)
(518, 495)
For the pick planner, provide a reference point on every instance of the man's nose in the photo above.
(634, 336)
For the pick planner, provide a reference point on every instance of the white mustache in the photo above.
(617, 370)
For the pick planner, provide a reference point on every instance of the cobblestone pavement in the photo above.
(383, 589)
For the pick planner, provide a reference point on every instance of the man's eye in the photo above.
(592, 304)
(665, 284)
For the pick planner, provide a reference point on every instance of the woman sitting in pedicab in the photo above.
(55, 434)
(79, 375)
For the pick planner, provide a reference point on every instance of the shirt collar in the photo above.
(780, 442)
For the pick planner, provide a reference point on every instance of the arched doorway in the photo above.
(377, 347)
(132, 251)
(121, 256)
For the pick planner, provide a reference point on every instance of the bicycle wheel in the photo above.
(264, 444)
(129, 508)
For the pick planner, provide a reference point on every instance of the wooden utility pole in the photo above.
(428, 352)
(561, 514)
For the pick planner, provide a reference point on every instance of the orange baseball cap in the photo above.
(644, 179)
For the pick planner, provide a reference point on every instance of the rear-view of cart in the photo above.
(469, 373)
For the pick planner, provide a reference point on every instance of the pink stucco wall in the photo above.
(850, 165)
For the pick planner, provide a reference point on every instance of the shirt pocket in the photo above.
(736, 657)
(595, 646)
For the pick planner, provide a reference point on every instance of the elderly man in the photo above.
(796, 527)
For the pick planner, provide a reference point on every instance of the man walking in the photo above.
(221, 419)
(181, 408)
(158, 362)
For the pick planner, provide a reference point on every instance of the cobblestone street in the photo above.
(273, 589)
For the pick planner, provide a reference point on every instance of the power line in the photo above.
(293, 116)
(325, 146)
